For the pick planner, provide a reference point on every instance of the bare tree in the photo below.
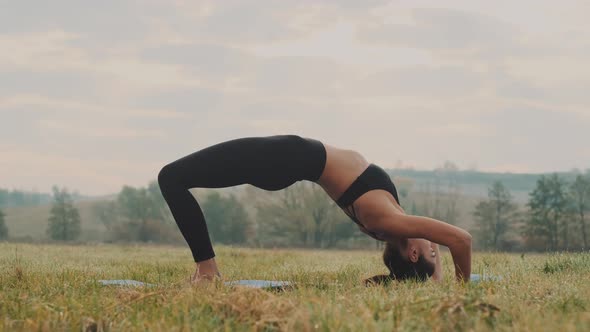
(495, 216)
(548, 209)
(64, 222)
(580, 194)
(3, 228)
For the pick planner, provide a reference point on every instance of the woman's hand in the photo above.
(438, 273)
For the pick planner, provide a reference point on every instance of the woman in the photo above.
(364, 191)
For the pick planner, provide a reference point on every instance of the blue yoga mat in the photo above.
(484, 277)
(124, 282)
(267, 284)
(264, 284)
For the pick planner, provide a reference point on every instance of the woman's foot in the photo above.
(206, 271)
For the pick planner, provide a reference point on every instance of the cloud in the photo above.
(561, 80)
(72, 106)
(428, 81)
(216, 65)
(291, 76)
(47, 51)
(108, 22)
(82, 129)
(441, 29)
(79, 128)
(94, 174)
(61, 84)
(266, 21)
(231, 69)
(123, 75)
(138, 84)
(483, 36)
(530, 134)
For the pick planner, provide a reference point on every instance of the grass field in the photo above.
(52, 287)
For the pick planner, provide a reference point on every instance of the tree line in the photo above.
(301, 215)
(554, 218)
(9, 198)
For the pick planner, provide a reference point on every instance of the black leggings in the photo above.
(270, 163)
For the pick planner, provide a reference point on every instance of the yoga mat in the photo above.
(484, 277)
(124, 282)
(265, 284)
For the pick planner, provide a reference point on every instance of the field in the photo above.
(52, 287)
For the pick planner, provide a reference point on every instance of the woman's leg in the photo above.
(270, 163)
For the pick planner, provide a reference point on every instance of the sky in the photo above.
(95, 95)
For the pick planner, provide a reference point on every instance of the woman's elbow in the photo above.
(461, 241)
(468, 237)
(466, 240)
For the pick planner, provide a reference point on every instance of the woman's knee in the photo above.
(166, 177)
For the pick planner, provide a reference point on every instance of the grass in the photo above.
(52, 287)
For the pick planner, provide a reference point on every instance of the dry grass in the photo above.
(51, 287)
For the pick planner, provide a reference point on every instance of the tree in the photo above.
(580, 194)
(495, 216)
(64, 221)
(135, 204)
(302, 215)
(227, 220)
(141, 215)
(320, 225)
(282, 219)
(21, 198)
(450, 171)
(138, 214)
(108, 214)
(160, 209)
(440, 197)
(548, 206)
(3, 228)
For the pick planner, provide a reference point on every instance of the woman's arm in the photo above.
(389, 223)
(438, 273)
(456, 239)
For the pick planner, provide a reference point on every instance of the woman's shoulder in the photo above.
(376, 204)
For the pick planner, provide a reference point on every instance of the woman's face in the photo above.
(421, 247)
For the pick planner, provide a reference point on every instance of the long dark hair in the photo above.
(401, 268)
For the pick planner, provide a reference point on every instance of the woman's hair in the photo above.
(401, 268)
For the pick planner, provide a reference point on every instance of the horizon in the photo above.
(91, 106)
(87, 195)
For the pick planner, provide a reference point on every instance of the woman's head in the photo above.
(410, 259)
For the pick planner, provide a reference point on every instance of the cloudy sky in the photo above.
(97, 94)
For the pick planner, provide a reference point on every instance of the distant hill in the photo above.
(20, 198)
(474, 183)
(12, 198)
(470, 183)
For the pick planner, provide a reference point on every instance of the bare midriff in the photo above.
(342, 168)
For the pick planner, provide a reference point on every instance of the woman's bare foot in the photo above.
(206, 271)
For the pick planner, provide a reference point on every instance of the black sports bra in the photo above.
(374, 177)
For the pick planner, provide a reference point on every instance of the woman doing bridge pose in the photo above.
(364, 191)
